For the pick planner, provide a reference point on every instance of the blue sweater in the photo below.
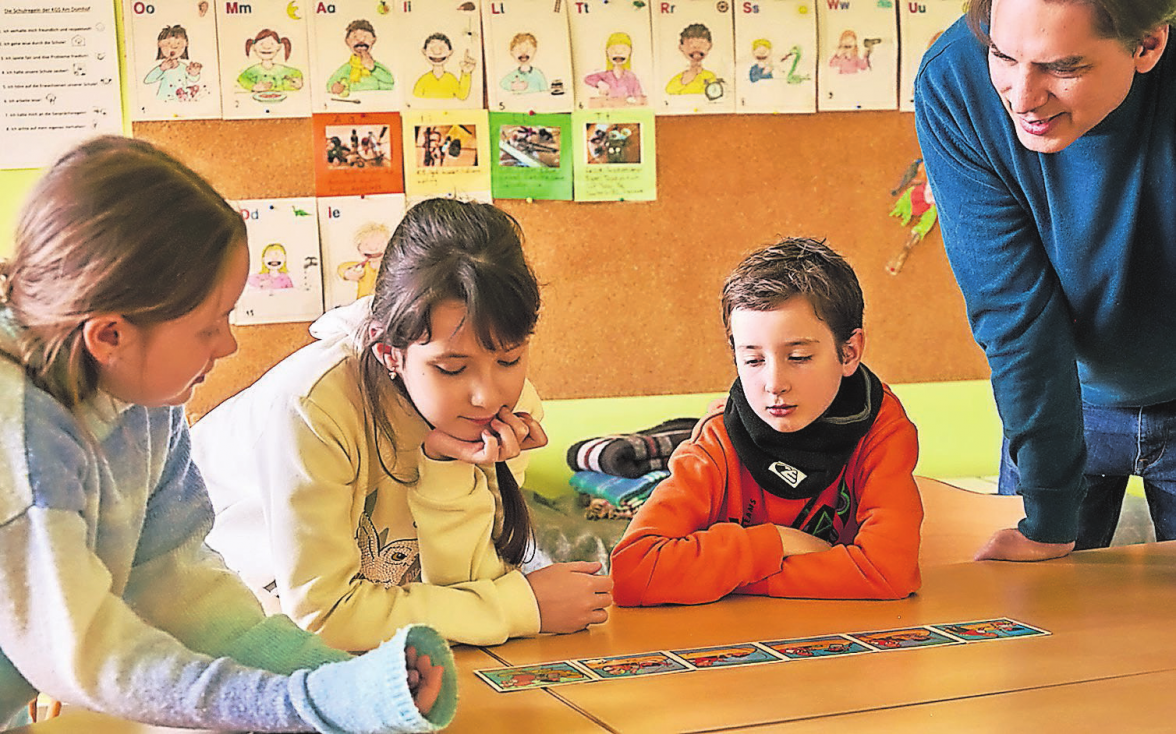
(1067, 261)
(110, 600)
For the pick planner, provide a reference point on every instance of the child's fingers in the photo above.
(536, 436)
(508, 442)
(515, 422)
(588, 567)
(430, 684)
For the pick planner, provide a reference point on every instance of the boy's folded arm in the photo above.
(680, 549)
(882, 560)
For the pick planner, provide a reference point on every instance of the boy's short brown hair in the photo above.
(797, 266)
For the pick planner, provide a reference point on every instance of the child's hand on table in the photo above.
(570, 596)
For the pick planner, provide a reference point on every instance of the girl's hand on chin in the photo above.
(508, 435)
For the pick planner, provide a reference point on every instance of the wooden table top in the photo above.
(1107, 610)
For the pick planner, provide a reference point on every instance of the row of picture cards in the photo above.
(593, 155)
(289, 58)
(543, 675)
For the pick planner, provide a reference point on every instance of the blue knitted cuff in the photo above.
(370, 694)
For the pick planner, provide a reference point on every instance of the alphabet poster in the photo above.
(528, 56)
(352, 63)
(285, 269)
(694, 57)
(532, 156)
(776, 56)
(354, 231)
(615, 155)
(920, 23)
(612, 53)
(264, 58)
(440, 47)
(172, 60)
(858, 65)
(446, 152)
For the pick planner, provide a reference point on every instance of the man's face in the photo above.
(1056, 77)
(695, 49)
(360, 42)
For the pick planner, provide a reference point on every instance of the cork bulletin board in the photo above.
(631, 290)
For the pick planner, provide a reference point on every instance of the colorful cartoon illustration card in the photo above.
(724, 656)
(439, 44)
(1002, 628)
(264, 59)
(858, 64)
(354, 231)
(358, 154)
(615, 158)
(807, 648)
(776, 56)
(525, 677)
(902, 639)
(532, 156)
(528, 56)
(920, 24)
(172, 60)
(352, 65)
(446, 152)
(612, 53)
(285, 269)
(694, 57)
(631, 666)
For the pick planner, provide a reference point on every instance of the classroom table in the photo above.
(1109, 663)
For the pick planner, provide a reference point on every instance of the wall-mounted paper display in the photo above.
(776, 56)
(358, 154)
(172, 60)
(858, 65)
(615, 155)
(59, 78)
(354, 233)
(264, 58)
(920, 23)
(612, 53)
(528, 56)
(532, 156)
(446, 152)
(351, 61)
(285, 268)
(439, 43)
(693, 57)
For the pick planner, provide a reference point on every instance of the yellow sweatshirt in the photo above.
(303, 503)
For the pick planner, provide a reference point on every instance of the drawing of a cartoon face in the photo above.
(267, 48)
(619, 53)
(372, 245)
(360, 41)
(437, 51)
(695, 49)
(523, 52)
(173, 47)
(847, 45)
(761, 52)
(274, 258)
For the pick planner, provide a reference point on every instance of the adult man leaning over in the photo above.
(1049, 135)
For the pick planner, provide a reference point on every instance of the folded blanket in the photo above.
(621, 492)
(631, 454)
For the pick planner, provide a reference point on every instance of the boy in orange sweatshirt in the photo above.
(802, 486)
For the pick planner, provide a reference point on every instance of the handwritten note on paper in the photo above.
(58, 78)
(615, 155)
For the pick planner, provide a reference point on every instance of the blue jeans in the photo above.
(1120, 442)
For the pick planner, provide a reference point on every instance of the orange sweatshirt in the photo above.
(709, 529)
